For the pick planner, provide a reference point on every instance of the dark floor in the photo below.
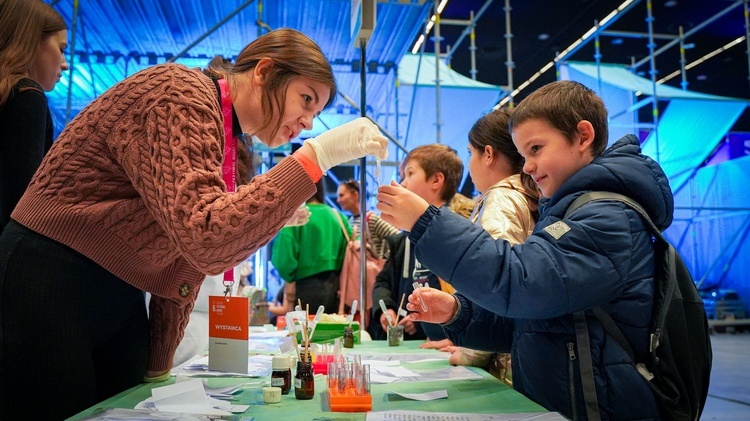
(729, 393)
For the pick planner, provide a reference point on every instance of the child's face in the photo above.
(477, 168)
(550, 157)
(415, 179)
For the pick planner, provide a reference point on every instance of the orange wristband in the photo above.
(312, 169)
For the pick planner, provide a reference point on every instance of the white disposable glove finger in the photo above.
(377, 147)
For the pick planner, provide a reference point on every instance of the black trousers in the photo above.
(321, 289)
(71, 333)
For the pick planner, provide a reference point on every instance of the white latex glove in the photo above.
(352, 140)
(300, 217)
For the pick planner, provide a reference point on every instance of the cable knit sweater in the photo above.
(134, 183)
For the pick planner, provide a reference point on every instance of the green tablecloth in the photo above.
(485, 395)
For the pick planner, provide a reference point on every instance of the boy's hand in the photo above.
(408, 324)
(399, 206)
(384, 319)
(441, 306)
(443, 345)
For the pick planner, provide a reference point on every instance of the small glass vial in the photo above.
(348, 337)
(304, 382)
(395, 335)
(281, 376)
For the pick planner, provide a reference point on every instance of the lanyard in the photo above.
(229, 166)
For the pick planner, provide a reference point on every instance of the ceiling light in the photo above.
(670, 3)
(542, 37)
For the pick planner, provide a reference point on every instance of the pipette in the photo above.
(385, 311)
(350, 318)
(318, 315)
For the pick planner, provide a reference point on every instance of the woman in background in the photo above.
(33, 39)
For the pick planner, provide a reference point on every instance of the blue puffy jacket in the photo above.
(601, 255)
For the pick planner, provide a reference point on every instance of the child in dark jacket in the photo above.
(520, 298)
(433, 172)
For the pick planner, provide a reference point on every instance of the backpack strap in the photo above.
(598, 196)
(586, 367)
(341, 224)
(609, 325)
(669, 260)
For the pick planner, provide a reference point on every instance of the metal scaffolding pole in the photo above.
(598, 60)
(72, 65)
(747, 37)
(472, 46)
(652, 72)
(509, 64)
(683, 62)
(436, 40)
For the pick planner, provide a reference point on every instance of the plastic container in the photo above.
(348, 401)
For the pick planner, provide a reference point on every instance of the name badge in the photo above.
(228, 334)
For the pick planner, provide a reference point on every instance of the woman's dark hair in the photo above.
(351, 184)
(320, 192)
(293, 55)
(492, 130)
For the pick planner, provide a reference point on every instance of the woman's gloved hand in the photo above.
(352, 140)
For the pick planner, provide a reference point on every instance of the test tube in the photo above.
(342, 376)
(333, 374)
(377, 171)
(364, 386)
(418, 291)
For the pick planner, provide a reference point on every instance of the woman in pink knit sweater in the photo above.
(132, 198)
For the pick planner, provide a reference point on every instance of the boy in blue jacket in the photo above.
(432, 172)
(520, 299)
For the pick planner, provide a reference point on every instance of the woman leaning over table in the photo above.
(132, 198)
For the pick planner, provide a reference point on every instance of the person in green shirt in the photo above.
(309, 257)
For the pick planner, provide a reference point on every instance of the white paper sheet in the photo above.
(449, 416)
(426, 396)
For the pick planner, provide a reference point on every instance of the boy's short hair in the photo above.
(563, 104)
(438, 158)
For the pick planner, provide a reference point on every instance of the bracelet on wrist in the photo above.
(311, 168)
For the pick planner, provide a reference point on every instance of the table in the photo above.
(486, 395)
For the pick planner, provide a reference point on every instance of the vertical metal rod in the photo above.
(683, 72)
(509, 64)
(598, 60)
(73, 36)
(473, 46)
(747, 37)
(259, 11)
(652, 72)
(363, 186)
(437, 72)
(398, 85)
